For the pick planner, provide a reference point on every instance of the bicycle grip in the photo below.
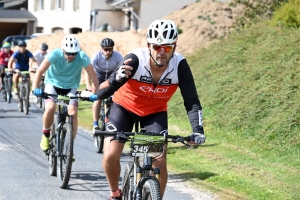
(188, 138)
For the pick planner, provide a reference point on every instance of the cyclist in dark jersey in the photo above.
(21, 58)
(142, 87)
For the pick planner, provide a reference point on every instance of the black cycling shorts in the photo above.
(121, 119)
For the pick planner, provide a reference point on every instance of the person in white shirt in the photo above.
(104, 62)
(39, 55)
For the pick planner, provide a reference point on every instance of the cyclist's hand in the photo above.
(37, 92)
(124, 71)
(197, 138)
(93, 97)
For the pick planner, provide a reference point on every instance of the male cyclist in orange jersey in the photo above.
(142, 87)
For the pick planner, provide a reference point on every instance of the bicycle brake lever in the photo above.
(120, 137)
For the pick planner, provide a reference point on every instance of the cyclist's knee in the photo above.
(111, 159)
(72, 110)
(50, 106)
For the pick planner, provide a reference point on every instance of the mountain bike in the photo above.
(105, 109)
(60, 150)
(140, 180)
(7, 86)
(23, 98)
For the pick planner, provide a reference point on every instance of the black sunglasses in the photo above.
(71, 54)
(108, 49)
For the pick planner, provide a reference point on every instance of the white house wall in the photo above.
(66, 18)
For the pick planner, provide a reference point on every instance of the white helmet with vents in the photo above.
(70, 44)
(162, 32)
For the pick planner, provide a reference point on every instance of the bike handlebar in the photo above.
(125, 136)
(78, 93)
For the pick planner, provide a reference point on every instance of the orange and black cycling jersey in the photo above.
(139, 95)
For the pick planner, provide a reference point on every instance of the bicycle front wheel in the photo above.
(64, 162)
(8, 85)
(25, 97)
(128, 182)
(99, 140)
(52, 159)
(151, 190)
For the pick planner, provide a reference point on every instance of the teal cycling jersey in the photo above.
(64, 74)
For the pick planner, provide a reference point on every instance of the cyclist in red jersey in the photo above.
(142, 87)
(5, 54)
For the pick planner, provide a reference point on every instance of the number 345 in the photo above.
(142, 149)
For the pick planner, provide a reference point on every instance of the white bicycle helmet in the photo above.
(162, 32)
(70, 44)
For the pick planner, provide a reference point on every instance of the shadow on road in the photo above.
(25, 116)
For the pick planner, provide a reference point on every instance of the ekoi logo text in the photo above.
(156, 90)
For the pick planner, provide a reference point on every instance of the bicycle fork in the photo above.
(140, 180)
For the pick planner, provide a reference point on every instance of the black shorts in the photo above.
(121, 119)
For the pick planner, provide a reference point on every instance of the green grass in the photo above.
(249, 90)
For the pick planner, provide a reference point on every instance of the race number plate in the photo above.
(151, 144)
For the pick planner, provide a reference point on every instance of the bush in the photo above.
(255, 10)
(179, 30)
(287, 15)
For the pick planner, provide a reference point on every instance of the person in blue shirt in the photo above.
(64, 67)
(21, 58)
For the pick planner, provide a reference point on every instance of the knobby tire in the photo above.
(8, 86)
(52, 159)
(64, 164)
(151, 190)
(128, 182)
(25, 96)
(99, 140)
(20, 98)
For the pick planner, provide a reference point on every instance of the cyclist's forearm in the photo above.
(92, 75)
(95, 84)
(10, 63)
(87, 80)
(37, 79)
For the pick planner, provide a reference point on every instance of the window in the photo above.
(57, 30)
(39, 5)
(57, 5)
(76, 5)
(39, 29)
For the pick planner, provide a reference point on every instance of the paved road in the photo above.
(24, 168)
